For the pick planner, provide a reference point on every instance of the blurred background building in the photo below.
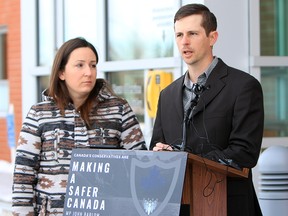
(133, 38)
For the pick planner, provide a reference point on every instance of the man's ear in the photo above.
(213, 36)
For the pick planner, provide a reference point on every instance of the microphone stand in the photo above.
(187, 118)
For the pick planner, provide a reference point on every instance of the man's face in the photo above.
(193, 43)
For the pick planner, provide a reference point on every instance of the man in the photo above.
(213, 110)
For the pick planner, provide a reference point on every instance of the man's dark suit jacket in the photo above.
(228, 120)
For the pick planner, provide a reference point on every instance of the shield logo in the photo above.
(153, 184)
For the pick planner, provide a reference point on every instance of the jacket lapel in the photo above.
(214, 84)
(177, 91)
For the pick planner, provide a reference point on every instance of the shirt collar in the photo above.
(187, 81)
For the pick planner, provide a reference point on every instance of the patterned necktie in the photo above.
(188, 95)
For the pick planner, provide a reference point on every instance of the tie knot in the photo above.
(201, 79)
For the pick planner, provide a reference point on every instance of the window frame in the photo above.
(257, 62)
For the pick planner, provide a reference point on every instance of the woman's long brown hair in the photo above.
(57, 87)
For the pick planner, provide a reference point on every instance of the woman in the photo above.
(78, 111)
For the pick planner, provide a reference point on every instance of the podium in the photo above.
(127, 182)
(204, 188)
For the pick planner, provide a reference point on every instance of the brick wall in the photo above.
(10, 17)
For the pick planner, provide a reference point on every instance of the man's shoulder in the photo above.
(174, 86)
(177, 83)
(234, 72)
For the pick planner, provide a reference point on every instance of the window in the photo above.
(4, 86)
(3, 58)
(129, 85)
(46, 32)
(4, 95)
(275, 86)
(42, 84)
(142, 30)
(274, 79)
(80, 20)
(274, 31)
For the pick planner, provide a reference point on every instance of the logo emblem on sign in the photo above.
(152, 184)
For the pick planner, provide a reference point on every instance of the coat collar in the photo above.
(214, 84)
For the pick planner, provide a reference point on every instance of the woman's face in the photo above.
(80, 73)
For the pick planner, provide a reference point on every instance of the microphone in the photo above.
(198, 89)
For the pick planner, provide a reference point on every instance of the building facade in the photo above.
(133, 41)
(10, 76)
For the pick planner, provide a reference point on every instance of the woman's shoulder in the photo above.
(44, 106)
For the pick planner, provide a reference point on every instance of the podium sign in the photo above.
(124, 182)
